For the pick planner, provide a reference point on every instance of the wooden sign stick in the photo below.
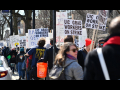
(93, 36)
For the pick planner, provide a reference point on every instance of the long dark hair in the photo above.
(61, 56)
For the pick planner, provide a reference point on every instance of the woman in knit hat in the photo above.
(83, 52)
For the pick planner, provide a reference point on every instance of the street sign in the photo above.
(5, 12)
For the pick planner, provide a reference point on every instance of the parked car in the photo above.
(5, 71)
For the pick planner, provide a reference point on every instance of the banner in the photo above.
(23, 41)
(72, 27)
(60, 16)
(92, 22)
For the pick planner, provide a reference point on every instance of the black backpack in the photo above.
(57, 72)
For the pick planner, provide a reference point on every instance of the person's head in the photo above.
(51, 41)
(41, 42)
(67, 48)
(101, 42)
(88, 43)
(21, 50)
(68, 38)
(114, 27)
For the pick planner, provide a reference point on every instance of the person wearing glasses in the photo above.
(101, 42)
(67, 57)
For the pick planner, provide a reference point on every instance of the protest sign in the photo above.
(92, 22)
(82, 38)
(60, 16)
(27, 44)
(23, 41)
(1, 44)
(31, 37)
(72, 27)
(14, 41)
(35, 34)
(102, 17)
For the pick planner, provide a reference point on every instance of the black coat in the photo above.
(48, 56)
(93, 70)
(81, 57)
(18, 57)
(13, 54)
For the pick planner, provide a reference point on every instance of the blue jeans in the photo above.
(28, 75)
(20, 71)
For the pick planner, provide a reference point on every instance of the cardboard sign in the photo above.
(23, 41)
(60, 16)
(72, 27)
(92, 22)
(102, 17)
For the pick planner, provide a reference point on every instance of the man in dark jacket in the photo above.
(83, 52)
(111, 54)
(48, 56)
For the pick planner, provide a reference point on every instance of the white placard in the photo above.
(1, 44)
(23, 41)
(102, 17)
(82, 38)
(60, 16)
(35, 34)
(14, 40)
(92, 22)
(72, 27)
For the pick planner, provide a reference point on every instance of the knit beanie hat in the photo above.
(88, 41)
(21, 49)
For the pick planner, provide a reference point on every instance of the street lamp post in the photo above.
(54, 33)
(11, 28)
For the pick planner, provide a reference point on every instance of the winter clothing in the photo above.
(88, 41)
(48, 56)
(74, 70)
(111, 53)
(81, 57)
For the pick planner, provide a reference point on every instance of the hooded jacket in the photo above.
(13, 54)
(73, 71)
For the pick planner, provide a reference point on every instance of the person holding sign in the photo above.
(83, 52)
(38, 53)
(111, 56)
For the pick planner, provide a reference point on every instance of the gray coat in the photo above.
(74, 70)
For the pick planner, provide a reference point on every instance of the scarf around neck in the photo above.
(71, 57)
(113, 39)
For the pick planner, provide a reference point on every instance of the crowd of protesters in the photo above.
(84, 64)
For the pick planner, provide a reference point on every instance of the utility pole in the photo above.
(11, 28)
(54, 33)
(33, 19)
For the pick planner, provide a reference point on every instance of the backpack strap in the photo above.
(103, 65)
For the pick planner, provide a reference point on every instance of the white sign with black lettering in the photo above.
(102, 17)
(92, 22)
(72, 27)
(23, 41)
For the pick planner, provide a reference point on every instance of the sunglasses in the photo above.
(101, 44)
(74, 50)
